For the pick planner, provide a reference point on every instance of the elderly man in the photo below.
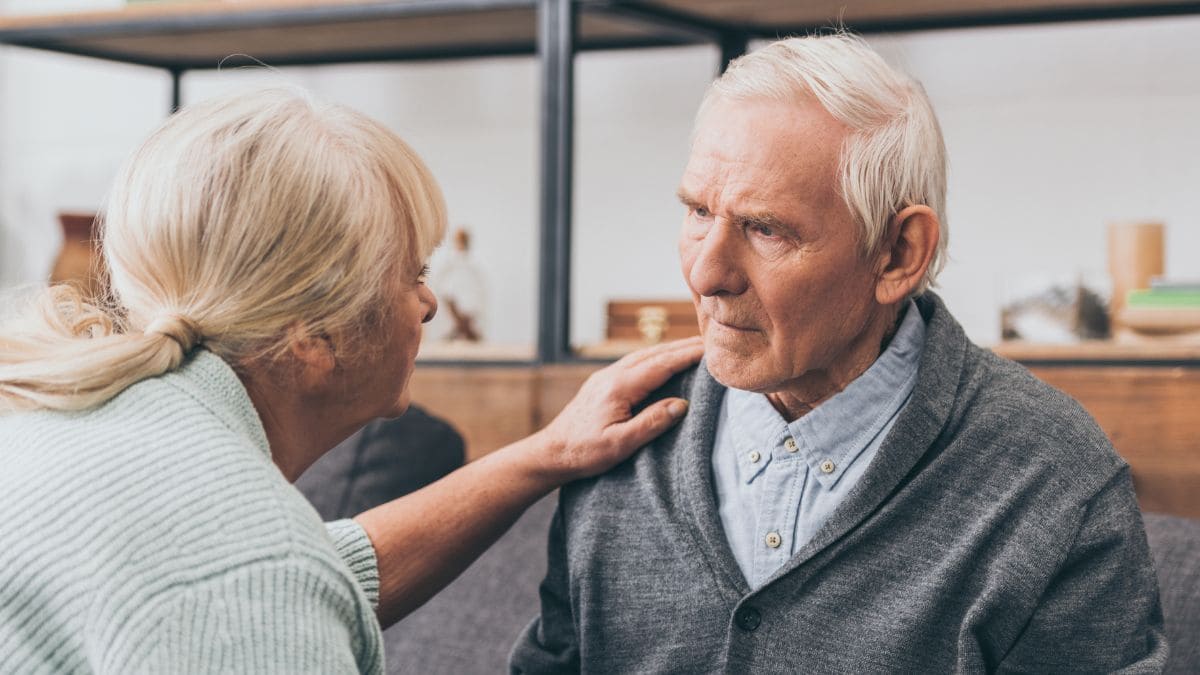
(857, 487)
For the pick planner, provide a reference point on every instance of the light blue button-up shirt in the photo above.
(778, 482)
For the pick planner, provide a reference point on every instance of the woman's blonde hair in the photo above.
(238, 222)
(894, 155)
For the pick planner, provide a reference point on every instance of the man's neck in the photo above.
(801, 396)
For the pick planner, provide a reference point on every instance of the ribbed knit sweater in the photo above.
(153, 534)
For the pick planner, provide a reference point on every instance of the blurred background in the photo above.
(1054, 131)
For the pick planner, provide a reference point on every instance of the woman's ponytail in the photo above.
(69, 354)
(238, 222)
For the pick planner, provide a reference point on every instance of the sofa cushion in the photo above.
(1175, 544)
(385, 459)
(470, 627)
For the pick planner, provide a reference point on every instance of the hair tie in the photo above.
(179, 328)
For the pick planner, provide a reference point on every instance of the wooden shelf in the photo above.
(771, 17)
(201, 35)
(204, 34)
(1100, 352)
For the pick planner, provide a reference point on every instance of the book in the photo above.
(1165, 298)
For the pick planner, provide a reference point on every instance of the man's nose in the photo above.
(716, 268)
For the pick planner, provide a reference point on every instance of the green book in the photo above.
(1163, 297)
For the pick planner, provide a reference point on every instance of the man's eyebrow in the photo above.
(686, 198)
(765, 218)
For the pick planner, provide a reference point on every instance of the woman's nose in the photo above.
(431, 304)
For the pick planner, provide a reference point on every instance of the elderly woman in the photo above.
(266, 258)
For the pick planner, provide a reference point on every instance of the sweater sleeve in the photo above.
(549, 644)
(273, 616)
(1101, 611)
(353, 545)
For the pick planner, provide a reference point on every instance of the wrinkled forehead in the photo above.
(756, 147)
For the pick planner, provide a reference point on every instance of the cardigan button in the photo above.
(748, 619)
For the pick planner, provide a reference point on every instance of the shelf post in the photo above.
(733, 45)
(556, 52)
(176, 90)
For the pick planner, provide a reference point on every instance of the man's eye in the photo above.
(762, 230)
(700, 211)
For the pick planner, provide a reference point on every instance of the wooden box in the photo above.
(651, 321)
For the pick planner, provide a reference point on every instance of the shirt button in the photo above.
(827, 466)
(790, 444)
(774, 540)
(748, 618)
(754, 457)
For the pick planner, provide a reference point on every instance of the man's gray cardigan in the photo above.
(996, 530)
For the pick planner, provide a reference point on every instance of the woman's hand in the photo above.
(598, 429)
(424, 539)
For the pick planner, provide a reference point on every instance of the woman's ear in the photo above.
(314, 355)
(912, 239)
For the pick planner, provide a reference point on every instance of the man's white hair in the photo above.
(893, 156)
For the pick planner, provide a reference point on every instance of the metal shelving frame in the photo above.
(556, 43)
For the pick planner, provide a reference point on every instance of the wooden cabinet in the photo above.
(1145, 398)
(493, 406)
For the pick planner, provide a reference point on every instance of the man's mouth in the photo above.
(734, 325)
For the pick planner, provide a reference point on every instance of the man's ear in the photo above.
(912, 239)
(314, 355)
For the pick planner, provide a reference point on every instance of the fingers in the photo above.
(641, 355)
(656, 366)
(649, 424)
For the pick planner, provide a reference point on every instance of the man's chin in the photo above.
(733, 372)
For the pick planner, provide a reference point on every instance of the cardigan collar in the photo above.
(916, 429)
(211, 381)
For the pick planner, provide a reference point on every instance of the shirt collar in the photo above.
(757, 428)
(832, 435)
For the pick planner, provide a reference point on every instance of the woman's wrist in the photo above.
(535, 462)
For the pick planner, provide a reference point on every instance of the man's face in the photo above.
(770, 251)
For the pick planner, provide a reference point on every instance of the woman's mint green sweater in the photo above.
(154, 535)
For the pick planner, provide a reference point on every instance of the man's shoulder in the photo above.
(1001, 411)
(1032, 421)
(655, 469)
(680, 384)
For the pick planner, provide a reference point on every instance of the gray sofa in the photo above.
(470, 626)
(385, 459)
(1175, 545)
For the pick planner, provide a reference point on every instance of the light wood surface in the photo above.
(494, 406)
(1150, 415)
(490, 407)
(1135, 256)
(1093, 351)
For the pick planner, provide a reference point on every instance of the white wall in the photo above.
(1053, 131)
